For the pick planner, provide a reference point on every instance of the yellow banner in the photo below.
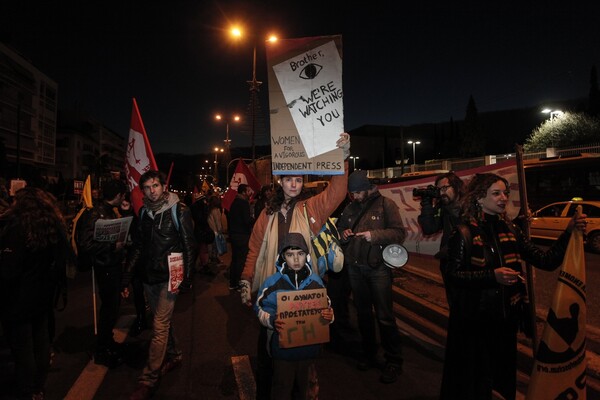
(560, 366)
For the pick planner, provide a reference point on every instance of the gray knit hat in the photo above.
(358, 181)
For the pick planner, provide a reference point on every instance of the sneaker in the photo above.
(142, 392)
(390, 373)
(169, 365)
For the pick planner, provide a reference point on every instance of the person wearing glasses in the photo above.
(442, 213)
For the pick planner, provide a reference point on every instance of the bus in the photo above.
(562, 178)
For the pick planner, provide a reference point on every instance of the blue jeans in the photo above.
(372, 287)
(163, 344)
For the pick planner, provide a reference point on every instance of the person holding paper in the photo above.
(291, 366)
(284, 213)
(368, 224)
(165, 232)
(107, 262)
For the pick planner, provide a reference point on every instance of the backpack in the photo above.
(326, 245)
(82, 259)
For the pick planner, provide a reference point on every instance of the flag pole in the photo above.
(524, 215)
(94, 301)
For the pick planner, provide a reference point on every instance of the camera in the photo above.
(430, 191)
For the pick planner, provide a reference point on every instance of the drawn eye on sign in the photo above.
(310, 71)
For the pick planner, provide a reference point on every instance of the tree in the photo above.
(472, 140)
(566, 130)
(594, 97)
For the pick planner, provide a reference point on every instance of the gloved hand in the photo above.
(344, 144)
(245, 292)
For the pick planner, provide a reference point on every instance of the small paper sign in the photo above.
(301, 312)
(175, 261)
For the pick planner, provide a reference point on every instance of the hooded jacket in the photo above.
(285, 279)
(156, 236)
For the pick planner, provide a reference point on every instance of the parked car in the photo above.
(550, 221)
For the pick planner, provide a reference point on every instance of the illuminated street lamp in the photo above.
(217, 151)
(237, 33)
(353, 158)
(414, 143)
(553, 113)
(234, 118)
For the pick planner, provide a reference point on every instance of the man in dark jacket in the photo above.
(107, 262)
(165, 231)
(367, 225)
(442, 213)
(239, 221)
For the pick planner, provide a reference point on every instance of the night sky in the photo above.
(403, 64)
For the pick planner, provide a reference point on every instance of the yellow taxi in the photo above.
(550, 222)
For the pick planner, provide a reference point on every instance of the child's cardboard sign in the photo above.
(301, 311)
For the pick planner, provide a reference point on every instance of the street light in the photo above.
(234, 118)
(553, 113)
(217, 151)
(414, 143)
(237, 33)
(354, 161)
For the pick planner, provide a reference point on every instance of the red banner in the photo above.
(241, 175)
(139, 158)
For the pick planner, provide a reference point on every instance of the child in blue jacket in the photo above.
(294, 272)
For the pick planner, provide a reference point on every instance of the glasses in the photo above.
(445, 188)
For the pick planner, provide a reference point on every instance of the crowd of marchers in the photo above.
(271, 240)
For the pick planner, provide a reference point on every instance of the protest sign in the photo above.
(175, 261)
(301, 312)
(112, 230)
(306, 105)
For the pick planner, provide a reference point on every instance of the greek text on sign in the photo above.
(301, 312)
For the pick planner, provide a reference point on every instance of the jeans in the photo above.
(163, 343)
(30, 345)
(372, 287)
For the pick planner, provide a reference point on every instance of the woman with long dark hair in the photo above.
(33, 255)
(484, 268)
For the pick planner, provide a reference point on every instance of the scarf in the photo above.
(154, 206)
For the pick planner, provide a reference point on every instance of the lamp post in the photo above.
(353, 158)
(254, 85)
(234, 118)
(216, 173)
(414, 143)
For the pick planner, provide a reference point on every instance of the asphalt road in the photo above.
(215, 332)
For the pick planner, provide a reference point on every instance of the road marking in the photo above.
(244, 377)
(90, 379)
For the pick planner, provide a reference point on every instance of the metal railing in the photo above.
(461, 164)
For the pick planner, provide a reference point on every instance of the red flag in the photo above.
(139, 157)
(170, 171)
(243, 175)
